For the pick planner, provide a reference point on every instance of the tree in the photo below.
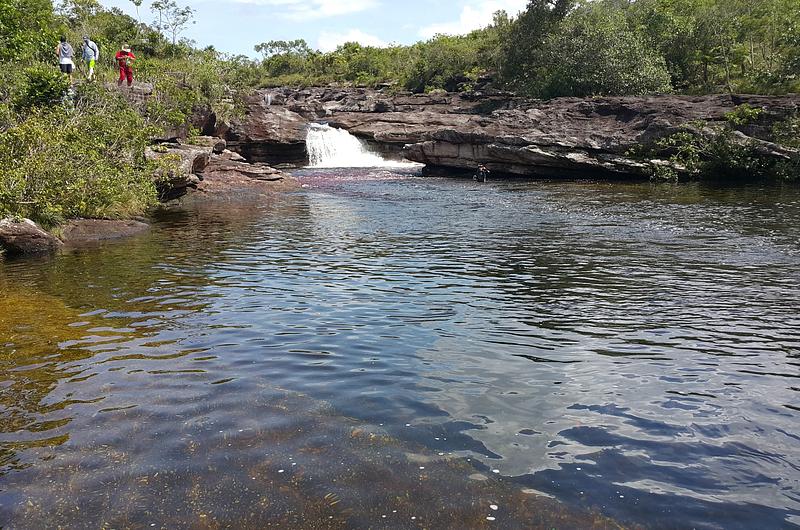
(285, 57)
(172, 19)
(26, 29)
(272, 48)
(524, 46)
(596, 53)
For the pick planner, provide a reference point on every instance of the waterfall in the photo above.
(329, 148)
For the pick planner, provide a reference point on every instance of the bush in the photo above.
(88, 161)
(441, 62)
(26, 30)
(743, 115)
(716, 154)
(43, 85)
(181, 86)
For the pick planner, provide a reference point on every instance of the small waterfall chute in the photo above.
(329, 147)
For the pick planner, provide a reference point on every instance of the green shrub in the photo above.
(787, 132)
(441, 63)
(743, 115)
(58, 163)
(42, 86)
(716, 154)
(595, 53)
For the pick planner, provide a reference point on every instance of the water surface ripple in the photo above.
(630, 350)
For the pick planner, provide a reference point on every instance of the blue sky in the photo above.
(235, 26)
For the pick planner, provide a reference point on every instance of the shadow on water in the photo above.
(381, 350)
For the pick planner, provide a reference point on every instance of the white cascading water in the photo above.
(331, 148)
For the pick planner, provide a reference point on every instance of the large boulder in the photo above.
(18, 238)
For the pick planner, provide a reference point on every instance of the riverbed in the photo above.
(385, 350)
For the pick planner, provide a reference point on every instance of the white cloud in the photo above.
(474, 15)
(302, 10)
(329, 40)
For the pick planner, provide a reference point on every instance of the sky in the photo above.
(236, 26)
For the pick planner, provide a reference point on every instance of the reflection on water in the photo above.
(381, 350)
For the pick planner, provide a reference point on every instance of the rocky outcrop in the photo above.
(560, 137)
(24, 237)
(217, 145)
(229, 178)
(269, 132)
(180, 165)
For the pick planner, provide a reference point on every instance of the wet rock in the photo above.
(78, 232)
(228, 178)
(24, 237)
(224, 167)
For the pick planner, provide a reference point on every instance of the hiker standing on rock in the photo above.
(91, 54)
(125, 58)
(65, 53)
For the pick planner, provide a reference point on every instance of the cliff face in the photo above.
(564, 136)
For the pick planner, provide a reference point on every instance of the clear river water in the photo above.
(384, 350)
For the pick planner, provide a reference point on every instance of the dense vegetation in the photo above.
(79, 151)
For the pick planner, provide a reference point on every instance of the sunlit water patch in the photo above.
(385, 350)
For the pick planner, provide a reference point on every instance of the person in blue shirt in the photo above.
(91, 54)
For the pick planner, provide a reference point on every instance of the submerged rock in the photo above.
(24, 237)
(88, 231)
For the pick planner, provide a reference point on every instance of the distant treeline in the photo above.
(554, 48)
(578, 48)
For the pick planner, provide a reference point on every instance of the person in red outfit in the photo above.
(125, 58)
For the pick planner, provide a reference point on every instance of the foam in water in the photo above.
(330, 148)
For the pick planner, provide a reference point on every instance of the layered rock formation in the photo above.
(560, 137)
(229, 178)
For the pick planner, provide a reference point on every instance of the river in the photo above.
(387, 350)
